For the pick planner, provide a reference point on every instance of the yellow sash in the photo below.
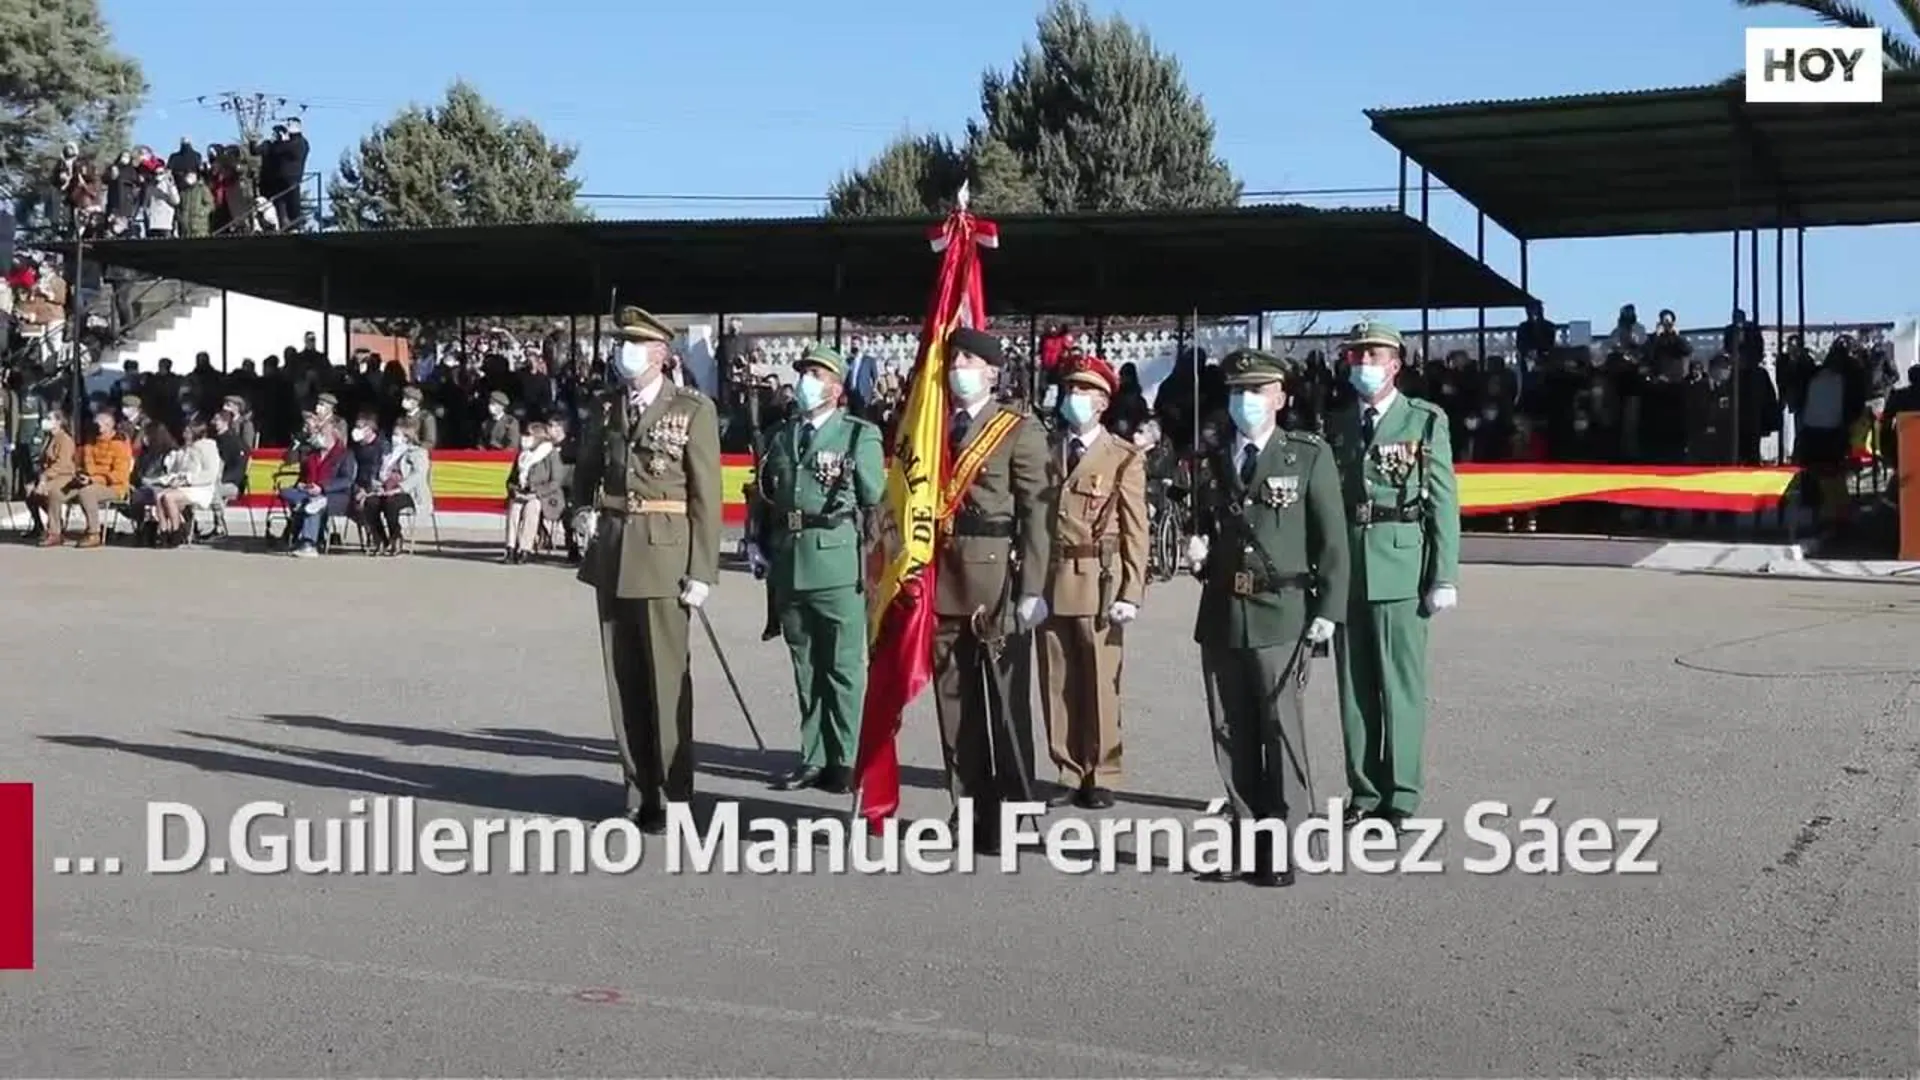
(966, 467)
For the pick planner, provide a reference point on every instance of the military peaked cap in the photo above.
(634, 324)
(979, 343)
(1082, 369)
(1372, 332)
(1257, 367)
(820, 356)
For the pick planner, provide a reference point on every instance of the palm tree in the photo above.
(1902, 52)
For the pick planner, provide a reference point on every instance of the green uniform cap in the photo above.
(634, 324)
(818, 355)
(1257, 367)
(1368, 334)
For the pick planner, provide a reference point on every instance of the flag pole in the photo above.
(1193, 347)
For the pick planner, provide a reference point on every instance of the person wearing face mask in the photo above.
(1270, 550)
(412, 407)
(1404, 514)
(1096, 579)
(818, 474)
(649, 476)
(993, 548)
(368, 447)
(55, 469)
(533, 492)
(1710, 416)
(501, 431)
(402, 481)
(324, 489)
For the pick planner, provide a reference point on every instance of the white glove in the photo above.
(756, 559)
(1032, 611)
(693, 593)
(1319, 631)
(586, 523)
(1442, 597)
(1122, 613)
(1196, 551)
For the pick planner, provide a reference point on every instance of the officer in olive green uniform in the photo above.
(1271, 551)
(650, 467)
(818, 472)
(1403, 509)
(984, 695)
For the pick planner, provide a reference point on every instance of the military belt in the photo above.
(633, 504)
(1375, 514)
(1085, 551)
(1248, 583)
(1001, 529)
(797, 521)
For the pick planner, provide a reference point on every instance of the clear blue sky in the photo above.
(771, 99)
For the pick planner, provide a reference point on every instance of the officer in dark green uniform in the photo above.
(818, 471)
(1271, 551)
(1403, 506)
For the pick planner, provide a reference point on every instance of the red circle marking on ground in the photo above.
(597, 997)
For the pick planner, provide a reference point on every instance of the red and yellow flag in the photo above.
(901, 569)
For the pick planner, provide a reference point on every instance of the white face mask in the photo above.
(526, 442)
(364, 435)
(410, 406)
(399, 439)
(496, 411)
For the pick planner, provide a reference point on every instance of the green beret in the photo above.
(130, 401)
(1257, 367)
(1370, 333)
(634, 324)
(818, 355)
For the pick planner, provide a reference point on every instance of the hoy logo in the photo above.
(1813, 65)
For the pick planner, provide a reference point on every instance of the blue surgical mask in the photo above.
(966, 383)
(1249, 410)
(631, 360)
(1078, 409)
(1369, 379)
(811, 392)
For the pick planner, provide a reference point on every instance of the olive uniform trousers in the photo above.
(644, 645)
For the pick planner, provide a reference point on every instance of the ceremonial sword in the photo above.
(727, 670)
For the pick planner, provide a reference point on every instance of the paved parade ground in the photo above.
(1769, 726)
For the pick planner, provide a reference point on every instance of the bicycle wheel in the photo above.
(1165, 557)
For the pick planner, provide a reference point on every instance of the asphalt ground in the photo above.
(1768, 725)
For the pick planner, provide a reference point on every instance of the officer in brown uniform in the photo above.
(991, 570)
(650, 466)
(1094, 585)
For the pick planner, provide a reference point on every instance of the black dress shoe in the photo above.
(1096, 798)
(1271, 879)
(1355, 815)
(1217, 877)
(651, 820)
(803, 777)
(1063, 796)
(986, 838)
(835, 780)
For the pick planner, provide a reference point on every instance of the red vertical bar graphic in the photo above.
(16, 877)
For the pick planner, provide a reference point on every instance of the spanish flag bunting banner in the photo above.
(1507, 488)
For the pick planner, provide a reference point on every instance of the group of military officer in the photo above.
(1301, 542)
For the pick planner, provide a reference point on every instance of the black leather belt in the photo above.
(984, 527)
(797, 521)
(1247, 583)
(1373, 513)
(1086, 551)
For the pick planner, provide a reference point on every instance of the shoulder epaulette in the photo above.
(1310, 438)
(862, 422)
(688, 392)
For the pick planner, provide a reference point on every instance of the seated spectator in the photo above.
(193, 483)
(501, 432)
(324, 489)
(55, 474)
(104, 472)
(534, 492)
(401, 484)
(233, 456)
(369, 449)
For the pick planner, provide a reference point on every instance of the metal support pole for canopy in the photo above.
(226, 362)
(1480, 254)
(1800, 278)
(1195, 405)
(599, 290)
(1100, 336)
(1780, 331)
(1753, 291)
(1426, 263)
(1260, 331)
(1523, 268)
(77, 322)
(1403, 183)
(839, 331)
(819, 327)
(326, 313)
(839, 286)
(1736, 270)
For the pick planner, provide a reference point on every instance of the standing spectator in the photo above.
(195, 215)
(283, 161)
(184, 162)
(162, 204)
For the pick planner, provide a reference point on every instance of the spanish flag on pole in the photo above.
(901, 567)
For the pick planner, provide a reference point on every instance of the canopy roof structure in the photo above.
(1233, 261)
(1690, 160)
